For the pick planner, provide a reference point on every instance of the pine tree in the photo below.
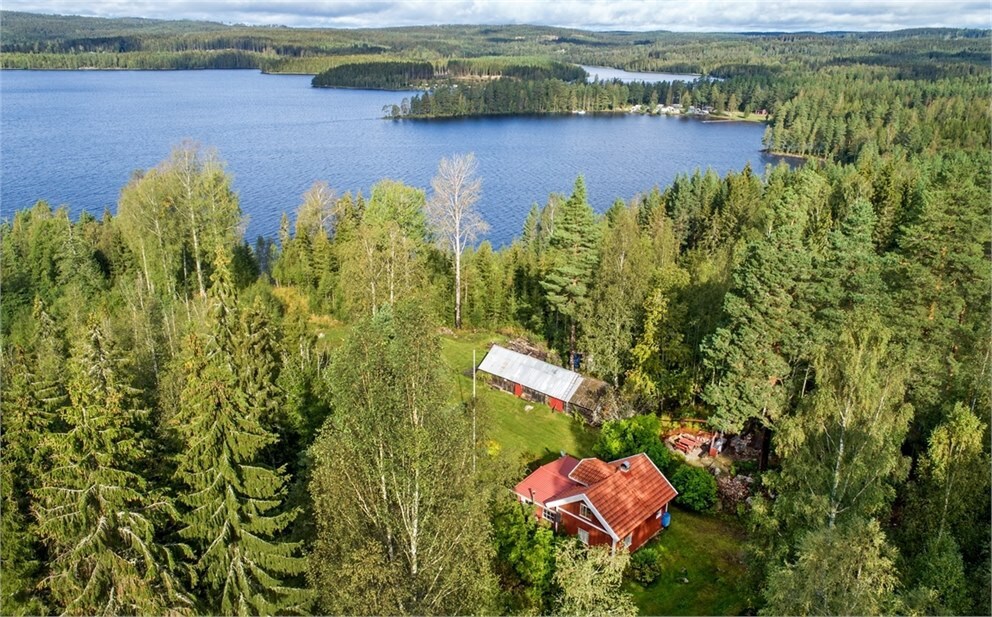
(755, 353)
(574, 254)
(235, 504)
(95, 511)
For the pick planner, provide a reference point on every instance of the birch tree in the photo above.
(184, 206)
(954, 462)
(841, 453)
(452, 215)
(399, 511)
(847, 571)
(590, 579)
(206, 203)
(622, 279)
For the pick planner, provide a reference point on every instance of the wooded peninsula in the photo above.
(198, 423)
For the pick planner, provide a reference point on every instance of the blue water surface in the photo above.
(605, 73)
(75, 137)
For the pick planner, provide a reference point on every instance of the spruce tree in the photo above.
(96, 512)
(235, 504)
(33, 393)
(574, 255)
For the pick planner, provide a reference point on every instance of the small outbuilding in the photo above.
(535, 380)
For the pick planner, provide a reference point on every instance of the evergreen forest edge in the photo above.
(178, 438)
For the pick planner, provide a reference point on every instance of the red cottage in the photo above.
(621, 502)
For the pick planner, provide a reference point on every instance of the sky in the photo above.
(638, 15)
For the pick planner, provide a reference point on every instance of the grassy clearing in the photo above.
(708, 547)
(529, 436)
(706, 550)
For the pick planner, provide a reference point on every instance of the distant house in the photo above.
(535, 380)
(623, 502)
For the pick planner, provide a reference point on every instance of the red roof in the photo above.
(548, 480)
(590, 471)
(622, 499)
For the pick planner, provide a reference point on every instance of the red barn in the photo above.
(536, 380)
(620, 502)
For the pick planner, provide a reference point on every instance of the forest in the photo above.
(198, 423)
(394, 75)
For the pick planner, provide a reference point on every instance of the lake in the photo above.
(75, 137)
(605, 73)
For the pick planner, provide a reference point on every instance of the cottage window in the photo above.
(584, 536)
(585, 512)
(628, 540)
(549, 515)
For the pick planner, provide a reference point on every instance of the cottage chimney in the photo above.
(625, 466)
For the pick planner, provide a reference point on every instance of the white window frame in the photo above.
(583, 536)
(549, 515)
(584, 511)
(628, 540)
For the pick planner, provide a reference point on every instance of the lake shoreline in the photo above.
(279, 136)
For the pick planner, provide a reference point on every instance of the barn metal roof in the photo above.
(531, 373)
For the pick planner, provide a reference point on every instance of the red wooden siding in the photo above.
(556, 404)
(647, 530)
(570, 523)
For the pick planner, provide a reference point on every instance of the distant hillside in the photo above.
(32, 41)
(29, 28)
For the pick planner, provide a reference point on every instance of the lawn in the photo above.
(706, 550)
(533, 435)
(529, 436)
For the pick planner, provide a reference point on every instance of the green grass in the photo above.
(708, 548)
(528, 436)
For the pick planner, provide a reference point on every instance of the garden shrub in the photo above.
(645, 566)
(696, 487)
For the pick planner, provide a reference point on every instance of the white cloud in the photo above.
(679, 15)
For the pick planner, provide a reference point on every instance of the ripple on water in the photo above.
(75, 137)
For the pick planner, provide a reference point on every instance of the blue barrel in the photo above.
(666, 520)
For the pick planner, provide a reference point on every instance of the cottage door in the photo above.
(518, 390)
